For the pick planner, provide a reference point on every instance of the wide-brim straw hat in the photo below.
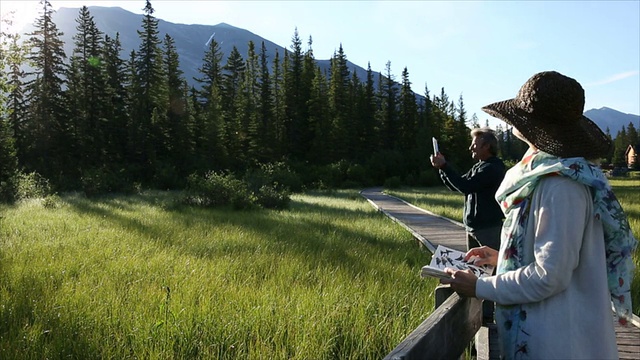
(548, 113)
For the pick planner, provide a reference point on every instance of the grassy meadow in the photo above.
(139, 277)
(440, 200)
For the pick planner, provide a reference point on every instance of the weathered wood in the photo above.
(628, 339)
(445, 334)
(442, 293)
(428, 228)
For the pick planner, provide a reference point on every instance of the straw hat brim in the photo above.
(579, 138)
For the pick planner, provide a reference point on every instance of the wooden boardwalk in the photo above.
(432, 230)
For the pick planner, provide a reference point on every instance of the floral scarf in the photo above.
(514, 196)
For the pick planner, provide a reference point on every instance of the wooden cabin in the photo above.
(631, 155)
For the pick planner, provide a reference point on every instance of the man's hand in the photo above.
(438, 161)
(462, 281)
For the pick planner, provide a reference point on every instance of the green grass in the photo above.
(140, 277)
(446, 203)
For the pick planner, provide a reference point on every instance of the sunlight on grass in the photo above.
(139, 277)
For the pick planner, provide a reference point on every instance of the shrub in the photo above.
(218, 189)
(32, 186)
(51, 201)
(270, 197)
(272, 174)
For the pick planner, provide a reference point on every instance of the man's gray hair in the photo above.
(488, 136)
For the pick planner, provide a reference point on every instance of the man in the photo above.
(482, 214)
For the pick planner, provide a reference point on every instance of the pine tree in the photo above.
(209, 131)
(356, 142)
(295, 100)
(632, 135)
(389, 96)
(319, 120)
(175, 135)
(48, 148)
(149, 99)
(263, 136)
(279, 105)
(233, 75)
(461, 137)
(309, 66)
(13, 58)
(8, 158)
(369, 138)
(340, 106)
(426, 130)
(117, 114)
(249, 105)
(85, 92)
(408, 114)
(620, 145)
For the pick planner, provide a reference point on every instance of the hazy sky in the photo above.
(482, 50)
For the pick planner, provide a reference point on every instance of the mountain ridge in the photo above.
(190, 39)
(612, 120)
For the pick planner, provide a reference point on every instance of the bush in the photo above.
(271, 174)
(218, 189)
(258, 189)
(32, 186)
(270, 197)
(51, 201)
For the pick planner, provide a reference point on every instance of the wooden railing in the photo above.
(446, 333)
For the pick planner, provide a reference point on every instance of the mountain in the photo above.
(611, 119)
(190, 40)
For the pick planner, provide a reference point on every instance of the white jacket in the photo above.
(569, 309)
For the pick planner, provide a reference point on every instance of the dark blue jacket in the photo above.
(479, 184)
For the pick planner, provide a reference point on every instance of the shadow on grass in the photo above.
(308, 230)
(33, 329)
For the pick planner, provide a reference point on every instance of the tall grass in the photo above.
(139, 277)
(441, 201)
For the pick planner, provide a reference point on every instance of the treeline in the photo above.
(624, 137)
(98, 121)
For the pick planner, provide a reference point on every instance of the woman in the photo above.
(566, 245)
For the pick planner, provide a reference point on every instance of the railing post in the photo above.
(442, 293)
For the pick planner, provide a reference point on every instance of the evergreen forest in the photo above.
(100, 121)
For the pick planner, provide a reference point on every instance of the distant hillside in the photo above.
(190, 40)
(611, 119)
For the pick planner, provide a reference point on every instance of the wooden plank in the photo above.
(445, 334)
(430, 229)
(628, 339)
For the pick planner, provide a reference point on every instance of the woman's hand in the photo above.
(462, 281)
(482, 256)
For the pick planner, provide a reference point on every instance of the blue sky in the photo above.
(482, 50)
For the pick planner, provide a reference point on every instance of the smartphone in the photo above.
(436, 150)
